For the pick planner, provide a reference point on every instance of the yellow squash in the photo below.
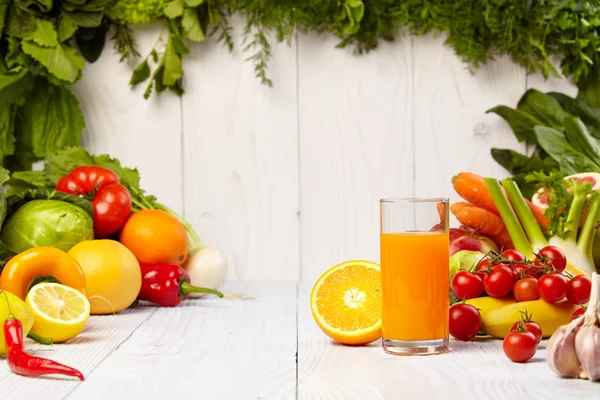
(550, 317)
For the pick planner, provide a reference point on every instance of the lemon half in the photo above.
(59, 311)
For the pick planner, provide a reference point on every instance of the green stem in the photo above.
(40, 339)
(186, 287)
(509, 217)
(528, 221)
(586, 236)
(572, 223)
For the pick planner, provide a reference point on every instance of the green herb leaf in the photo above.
(32, 179)
(44, 34)
(85, 19)
(581, 140)
(15, 58)
(521, 123)
(61, 61)
(140, 73)
(191, 25)
(51, 119)
(66, 29)
(14, 87)
(41, 5)
(172, 66)
(3, 13)
(19, 23)
(213, 15)
(127, 176)
(193, 3)
(91, 42)
(174, 9)
(7, 131)
(556, 145)
(589, 89)
(542, 107)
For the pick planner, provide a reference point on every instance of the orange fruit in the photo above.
(155, 237)
(346, 302)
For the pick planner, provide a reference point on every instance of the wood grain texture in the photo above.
(328, 370)
(101, 336)
(141, 133)
(209, 348)
(356, 146)
(452, 131)
(241, 160)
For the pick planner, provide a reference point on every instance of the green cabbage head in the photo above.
(47, 223)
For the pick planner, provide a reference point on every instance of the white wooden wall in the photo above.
(286, 180)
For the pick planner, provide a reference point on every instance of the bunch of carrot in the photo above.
(479, 211)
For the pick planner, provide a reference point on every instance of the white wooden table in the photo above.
(270, 348)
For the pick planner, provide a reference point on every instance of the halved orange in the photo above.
(346, 302)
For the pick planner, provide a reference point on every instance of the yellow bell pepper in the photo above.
(41, 263)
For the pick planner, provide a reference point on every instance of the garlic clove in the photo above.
(587, 346)
(560, 352)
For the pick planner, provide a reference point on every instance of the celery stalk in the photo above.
(528, 221)
(520, 240)
(588, 231)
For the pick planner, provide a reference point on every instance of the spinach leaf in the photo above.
(517, 163)
(543, 107)
(521, 123)
(589, 89)
(556, 145)
(61, 61)
(589, 115)
(581, 140)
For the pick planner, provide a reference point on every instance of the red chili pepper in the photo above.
(168, 285)
(110, 199)
(25, 364)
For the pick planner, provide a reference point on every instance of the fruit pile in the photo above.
(500, 294)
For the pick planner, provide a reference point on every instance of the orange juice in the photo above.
(414, 283)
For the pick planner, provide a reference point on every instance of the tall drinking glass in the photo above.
(414, 275)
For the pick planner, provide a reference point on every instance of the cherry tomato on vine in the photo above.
(482, 268)
(513, 255)
(467, 285)
(578, 313)
(553, 257)
(526, 289)
(465, 321)
(530, 326)
(552, 287)
(499, 282)
(579, 289)
(520, 346)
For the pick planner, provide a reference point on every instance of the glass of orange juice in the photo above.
(414, 275)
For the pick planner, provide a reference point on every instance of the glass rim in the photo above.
(414, 200)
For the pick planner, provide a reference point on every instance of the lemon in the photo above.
(113, 277)
(59, 311)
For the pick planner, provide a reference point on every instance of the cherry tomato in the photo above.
(519, 270)
(465, 321)
(579, 289)
(530, 326)
(552, 287)
(513, 255)
(578, 313)
(520, 346)
(526, 289)
(466, 285)
(499, 282)
(111, 200)
(553, 257)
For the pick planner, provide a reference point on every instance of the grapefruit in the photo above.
(540, 199)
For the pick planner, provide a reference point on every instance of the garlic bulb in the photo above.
(574, 349)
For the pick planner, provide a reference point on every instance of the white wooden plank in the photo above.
(241, 159)
(209, 348)
(328, 370)
(141, 133)
(356, 146)
(101, 336)
(552, 83)
(452, 131)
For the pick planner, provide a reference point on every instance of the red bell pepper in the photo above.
(110, 199)
(168, 285)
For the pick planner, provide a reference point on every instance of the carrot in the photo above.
(485, 222)
(472, 188)
(538, 214)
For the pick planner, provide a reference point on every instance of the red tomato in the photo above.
(111, 201)
(552, 287)
(520, 346)
(579, 289)
(526, 289)
(482, 268)
(466, 285)
(530, 326)
(499, 282)
(578, 313)
(553, 257)
(514, 255)
(465, 321)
